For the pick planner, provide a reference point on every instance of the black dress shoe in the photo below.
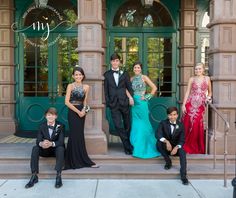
(58, 183)
(33, 180)
(184, 181)
(167, 166)
(131, 147)
(128, 152)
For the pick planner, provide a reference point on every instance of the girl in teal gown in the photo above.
(142, 136)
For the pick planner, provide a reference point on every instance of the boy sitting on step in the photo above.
(49, 143)
(170, 140)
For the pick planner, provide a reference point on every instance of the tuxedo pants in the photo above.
(161, 146)
(121, 120)
(57, 152)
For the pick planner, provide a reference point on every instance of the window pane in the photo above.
(35, 68)
(134, 14)
(67, 59)
(160, 64)
(128, 49)
(53, 14)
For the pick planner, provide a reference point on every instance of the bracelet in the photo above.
(148, 96)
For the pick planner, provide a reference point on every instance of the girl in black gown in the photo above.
(76, 100)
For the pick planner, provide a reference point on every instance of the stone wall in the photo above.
(7, 68)
(90, 49)
(222, 65)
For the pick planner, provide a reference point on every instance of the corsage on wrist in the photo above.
(209, 99)
(148, 96)
(86, 108)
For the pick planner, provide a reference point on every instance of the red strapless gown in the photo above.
(193, 118)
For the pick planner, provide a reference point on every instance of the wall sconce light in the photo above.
(41, 3)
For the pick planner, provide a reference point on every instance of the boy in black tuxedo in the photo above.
(49, 143)
(116, 83)
(170, 140)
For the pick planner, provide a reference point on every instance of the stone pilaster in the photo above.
(90, 48)
(222, 66)
(7, 82)
(187, 43)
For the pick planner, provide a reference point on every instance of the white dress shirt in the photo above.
(116, 77)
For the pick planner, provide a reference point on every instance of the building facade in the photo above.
(41, 41)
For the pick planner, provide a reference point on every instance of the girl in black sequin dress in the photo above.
(76, 100)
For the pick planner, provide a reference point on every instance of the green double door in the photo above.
(157, 52)
(44, 72)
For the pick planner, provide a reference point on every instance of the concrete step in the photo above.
(119, 171)
(15, 160)
(109, 159)
(20, 153)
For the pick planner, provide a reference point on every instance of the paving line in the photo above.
(15, 139)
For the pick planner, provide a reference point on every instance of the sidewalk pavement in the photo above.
(116, 188)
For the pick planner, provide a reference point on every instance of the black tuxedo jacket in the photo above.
(57, 135)
(114, 94)
(164, 130)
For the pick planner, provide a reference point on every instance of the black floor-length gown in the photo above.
(76, 153)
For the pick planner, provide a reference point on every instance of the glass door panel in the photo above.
(66, 58)
(155, 51)
(159, 64)
(46, 71)
(160, 67)
(35, 68)
(128, 47)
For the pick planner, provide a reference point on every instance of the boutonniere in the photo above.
(58, 126)
(177, 126)
(121, 72)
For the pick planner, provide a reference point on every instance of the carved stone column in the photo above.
(187, 42)
(90, 58)
(222, 66)
(7, 82)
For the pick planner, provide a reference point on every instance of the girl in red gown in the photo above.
(197, 94)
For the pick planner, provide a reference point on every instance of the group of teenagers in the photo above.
(127, 99)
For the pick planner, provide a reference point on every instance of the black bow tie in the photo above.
(173, 124)
(117, 72)
(50, 127)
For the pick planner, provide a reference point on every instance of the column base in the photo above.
(96, 143)
(7, 126)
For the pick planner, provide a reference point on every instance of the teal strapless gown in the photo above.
(142, 136)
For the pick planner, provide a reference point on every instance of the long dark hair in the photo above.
(79, 69)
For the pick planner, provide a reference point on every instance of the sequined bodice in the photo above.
(77, 94)
(138, 85)
(198, 91)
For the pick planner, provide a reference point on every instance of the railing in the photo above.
(226, 130)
